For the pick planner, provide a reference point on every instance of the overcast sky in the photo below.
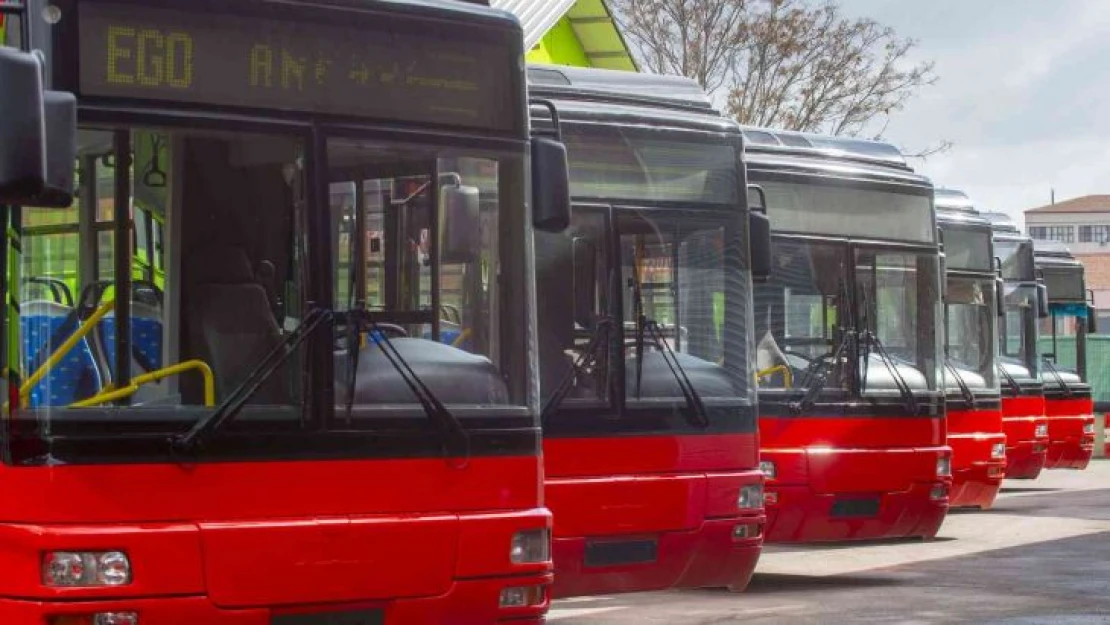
(1024, 95)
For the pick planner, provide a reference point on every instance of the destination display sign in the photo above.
(966, 248)
(131, 51)
(1065, 285)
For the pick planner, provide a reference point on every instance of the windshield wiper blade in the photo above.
(434, 409)
(697, 416)
(899, 381)
(815, 382)
(1015, 388)
(586, 359)
(1059, 378)
(210, 424)
(965, 390)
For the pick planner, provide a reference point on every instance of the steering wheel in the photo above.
(814, 366)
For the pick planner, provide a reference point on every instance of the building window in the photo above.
(1063, 234)
(1094, 234)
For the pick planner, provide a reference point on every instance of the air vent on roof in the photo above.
(760, 137)
(545, 76)
(795, 141)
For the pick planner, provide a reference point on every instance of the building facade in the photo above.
(1083, 225)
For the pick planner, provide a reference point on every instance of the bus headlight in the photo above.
(1088, 428)
(751, 497)
(998, 451)
(767, 468)
(530, 547)
(1041, 430)
(86, 568)
(944, 466)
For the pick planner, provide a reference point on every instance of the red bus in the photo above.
(283, 429)
(849, 338)
(971, 311)
(650, 445)
(1023, 401)
(1063, 345)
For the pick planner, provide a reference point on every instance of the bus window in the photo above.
(235, 204)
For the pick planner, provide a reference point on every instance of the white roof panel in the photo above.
(536, 16)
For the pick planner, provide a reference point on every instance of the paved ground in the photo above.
(1042, 555)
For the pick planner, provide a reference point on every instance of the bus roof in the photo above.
(616, 86)
(624, 98)
(1002, 223)
(824, 147)
(1053, 250)
(955, 207)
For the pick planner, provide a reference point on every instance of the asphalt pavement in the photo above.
(1041, 555)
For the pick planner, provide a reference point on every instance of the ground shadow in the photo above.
(769, 583)
(1030, 489)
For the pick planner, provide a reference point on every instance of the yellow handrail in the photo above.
(465, 334)
(787, 375)
(62, 351)
(111, 394)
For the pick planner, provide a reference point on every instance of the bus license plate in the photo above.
(354, 617)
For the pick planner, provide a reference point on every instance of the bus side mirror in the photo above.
(461, 227)
(1042, 302)
(22, 128)
(759, 234)
(60, 110)
(550, 185)
(1000, 296)
(1092, 320)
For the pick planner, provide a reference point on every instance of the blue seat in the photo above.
(146, 347)
(146, 339)
(76, 376)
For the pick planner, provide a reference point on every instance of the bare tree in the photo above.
(779, 63)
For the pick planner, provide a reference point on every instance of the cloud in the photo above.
(1022, 95)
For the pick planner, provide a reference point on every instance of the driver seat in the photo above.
(231, 323)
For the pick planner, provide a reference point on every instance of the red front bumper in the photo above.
(1025, 459)
(1071, 433)
(800, 515)
(710, 556)
(976, 473)
(977, 486)
(467, 602)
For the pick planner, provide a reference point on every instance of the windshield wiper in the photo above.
(1015, 388)
(965, 390)
(697, 415)
(813, 383)
(869, 338)
(434, 409)
(899, 381)
(1059, 379)
(583, 362)
(210, 424)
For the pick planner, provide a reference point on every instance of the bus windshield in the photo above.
(897, 306)
(658, 310)
(1059, 343)
(971, 314)
(829, 300)
(418, 234)
(218, 283)
(1017, 333)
